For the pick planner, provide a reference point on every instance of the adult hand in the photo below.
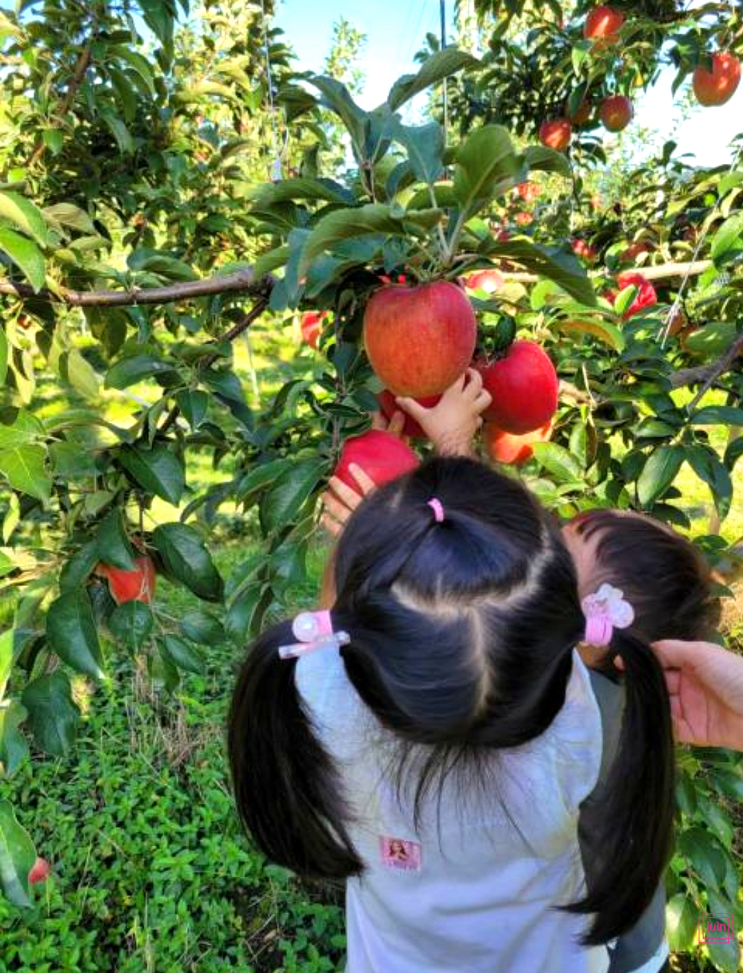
(451, 424)
(705, 683)
(339, 500)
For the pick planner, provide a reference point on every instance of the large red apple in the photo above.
(135, 585)
(420, 339)
(717, 86)
(616, 112)
(382, 456)
(524, 388)
(555, 134)
(505, 447)
(388, 407)
(603, 24)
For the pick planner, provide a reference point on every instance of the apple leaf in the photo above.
(17, 857)
(440, 65)
(425, 147)
(24, 215)
(26, 254)
(72, 633)
(486, 166)
(563, 268)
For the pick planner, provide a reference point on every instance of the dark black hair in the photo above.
(461, 640)
(663, 576)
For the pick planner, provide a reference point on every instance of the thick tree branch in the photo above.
(661, 272)
(242, 281)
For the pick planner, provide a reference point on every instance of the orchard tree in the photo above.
(168, 180)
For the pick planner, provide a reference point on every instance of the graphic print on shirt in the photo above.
(405, 856)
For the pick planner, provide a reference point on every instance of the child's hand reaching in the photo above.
(452, 423)
(339, 501)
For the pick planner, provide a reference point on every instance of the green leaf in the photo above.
(486, 166)
(119, 131)
(725, 953)
(72, 633)
(336, 97)
(77, 568)
(17, 857)
(281, 504)
(24, 215)
(67, 214)
(24, 429)
(562, 268)
(711, 470)
(112, 543)
(134, 369)
(440, 65)
(425, 146)
(202, 627)
(373, 218)
(26, 254)
(24, 468)
(52, 713)
(132, 624)
(711, 415)
(267, 195)
(728, 241)
(194, 405)
(604, 331)
(7, 639)
(708, 860)
(81, 374)
(3, 356)
(187, 560)
(681, 922)
(659, 473)
(544, 159)
(560, 463)
(13, 745)
(183, 655)
(156, 470)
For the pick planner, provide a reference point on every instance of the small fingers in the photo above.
(483, 401)
(474, 383)
(330, 525)
(378, 421)
(364, 481)
(413, 408)
(335, 508)
(346, 494)
(397, 423)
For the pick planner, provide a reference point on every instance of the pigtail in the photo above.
(286, 787)
(632, 811)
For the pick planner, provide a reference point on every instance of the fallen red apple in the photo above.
(555, 134)
(135, 585)
(312, 326)
(40, 871)
(523, 385)
(484, 280)
(382, 456)
(616, 113)
(717, 86)
(388, 407)
(645, 297)
(505, 447)
(603, 25)
(419, 340)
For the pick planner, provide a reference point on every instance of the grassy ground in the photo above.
(150, 872)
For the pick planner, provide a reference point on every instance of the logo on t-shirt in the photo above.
(402, 855)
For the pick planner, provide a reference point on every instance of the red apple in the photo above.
(382, 456)
(717, 86)
(524, 219)
(646, 296)
(312, 326)
(135, 585)
(583, 249)
(528, 191)
(555, 134)
(484, 280)
(616, 112)
(524, 388)
(505, 447)
(389, 407)
(420, 339)
(40, 871)
(633, 251)
(603, 25)
(581, 115)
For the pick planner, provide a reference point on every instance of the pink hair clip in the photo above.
(438, 509)
(605, 610)
(313, 631)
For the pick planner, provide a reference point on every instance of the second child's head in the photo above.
(663, 576)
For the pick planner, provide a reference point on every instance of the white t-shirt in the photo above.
(473, 888)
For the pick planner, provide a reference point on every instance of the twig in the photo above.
(83, 63)
(722, 365)
(242, 281)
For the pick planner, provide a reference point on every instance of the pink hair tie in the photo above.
(438, 509)
(313, 631)
(605, 610)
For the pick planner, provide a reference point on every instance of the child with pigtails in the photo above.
(436, 737)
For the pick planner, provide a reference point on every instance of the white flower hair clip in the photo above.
(313, 631)
(605, 610)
